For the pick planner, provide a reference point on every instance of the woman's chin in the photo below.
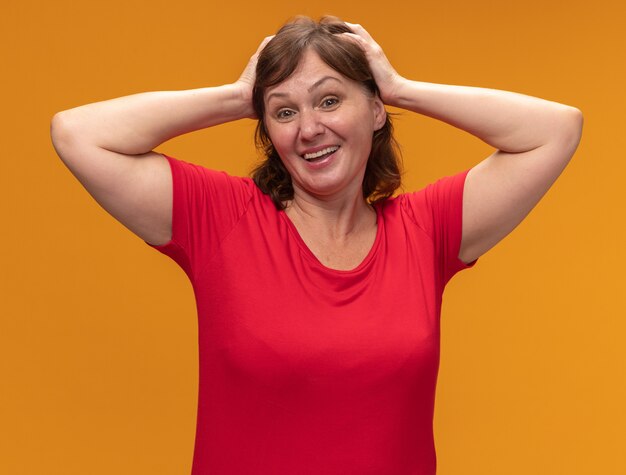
(328, 187)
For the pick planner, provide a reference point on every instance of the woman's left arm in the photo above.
(535, 139)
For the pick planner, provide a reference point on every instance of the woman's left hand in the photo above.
(386, 77)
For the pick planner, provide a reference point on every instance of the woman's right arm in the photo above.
(108, 146)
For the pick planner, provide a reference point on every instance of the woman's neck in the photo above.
(335, 217)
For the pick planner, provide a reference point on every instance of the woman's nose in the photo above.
(310, 125)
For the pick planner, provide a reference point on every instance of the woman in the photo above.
(318, 293)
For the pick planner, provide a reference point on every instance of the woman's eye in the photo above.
(284, 114)
(329, 102)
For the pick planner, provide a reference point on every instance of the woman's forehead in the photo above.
(310, 67)
(311, 73)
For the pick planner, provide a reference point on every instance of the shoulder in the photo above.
(195, 171)
(200, 183)
(437, 201)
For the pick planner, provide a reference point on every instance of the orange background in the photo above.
(98, 369)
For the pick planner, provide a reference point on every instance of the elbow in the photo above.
(59, 125)
(56, 131)
(54, 126)
(576, 119)
(62, 132)
(571, 129)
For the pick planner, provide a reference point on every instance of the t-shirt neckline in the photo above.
(317, 263)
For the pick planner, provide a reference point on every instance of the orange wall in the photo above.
(98, 335)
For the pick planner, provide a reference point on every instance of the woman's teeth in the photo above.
(321, 153)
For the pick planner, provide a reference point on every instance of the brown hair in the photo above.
(277, 62)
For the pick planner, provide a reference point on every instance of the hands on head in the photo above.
(245, 83)
(385, 76)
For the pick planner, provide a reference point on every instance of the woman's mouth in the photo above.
(320, 154)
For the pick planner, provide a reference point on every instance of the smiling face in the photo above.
(321, 124)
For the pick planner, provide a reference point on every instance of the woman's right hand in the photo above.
(245, 83)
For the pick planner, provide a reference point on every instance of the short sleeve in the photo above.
(206, 206)
(438, 211)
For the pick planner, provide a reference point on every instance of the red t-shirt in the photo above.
(306, 369)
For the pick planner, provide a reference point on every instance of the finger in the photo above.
(353, 37)
(265, 41)
(360, 41)
(359, 30)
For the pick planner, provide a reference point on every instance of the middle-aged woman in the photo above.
(318, 293)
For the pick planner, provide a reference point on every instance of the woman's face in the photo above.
(321, 124)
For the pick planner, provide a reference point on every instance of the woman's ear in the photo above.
(380, 113)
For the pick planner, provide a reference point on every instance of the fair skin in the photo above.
(108, 146)
(534, 138)
(317, 110)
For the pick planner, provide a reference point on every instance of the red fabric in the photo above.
(304, 369)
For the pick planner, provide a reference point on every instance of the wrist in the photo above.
(395, 93)
(242, 97)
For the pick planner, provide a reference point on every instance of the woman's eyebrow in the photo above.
(321, 81)
(276, 94)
